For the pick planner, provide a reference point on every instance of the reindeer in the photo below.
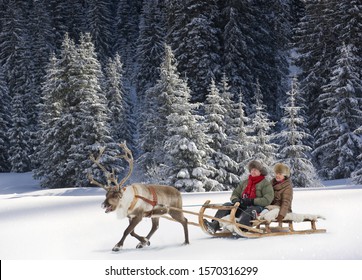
(138, 200)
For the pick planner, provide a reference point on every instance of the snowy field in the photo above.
(69, 224)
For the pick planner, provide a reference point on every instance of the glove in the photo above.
(235, 200)
(280, 218)
(247, 201)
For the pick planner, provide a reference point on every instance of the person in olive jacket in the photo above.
(253, 194)
(283, 190)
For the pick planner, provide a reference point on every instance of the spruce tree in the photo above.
(237, 142)
(16, 59)
(347, 20)
(67, 18)
(150, 47)
(317, 41)
(180, 148)
(337, 146)
(271, 31)
(100, 23)
(13, 26)
(197, 46)
(357, 174)
(127, 30)
(263, 148)
(186, 148)
(4, 123)
(214, 117)
(238, 56)
(293, 151)
(18, 135)
(241, 141)
(119, 104)
(41, 46)
(49, 113)
(215, 125)
(157, 108)
(74, 116)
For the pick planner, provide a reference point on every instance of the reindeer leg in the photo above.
(133, 222)
(179, 216)
(145, 240)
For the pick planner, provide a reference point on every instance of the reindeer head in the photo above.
(113, 186)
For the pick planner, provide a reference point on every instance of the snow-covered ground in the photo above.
(69, 224)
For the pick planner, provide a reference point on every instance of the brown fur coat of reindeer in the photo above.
(138, 200)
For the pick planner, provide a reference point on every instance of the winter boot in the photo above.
(212, 227)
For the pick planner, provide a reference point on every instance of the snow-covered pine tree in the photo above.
(13, 25)
(263, 148)
(19, 136)
(148, 137)
(119, 104)
(99, 23)
(297, 11)
(150, 47)
(74, 116)
(314, 59)
(50, 110)
(215, 125)
(293, 151)
(154, 116)
(4, 123)
(150, 52)
(127, 30)
(228, 103)
(241, 140)
(337, 146)
(88, 107)
(196, 45)
(347, 19)
(271, 32)
(25, 84)
(183, 152)
(357, 174)
(42, 44)
(186, 148)
(237, 142)
(67, 18)
(237, 45)
(16, 58)
(214, 117)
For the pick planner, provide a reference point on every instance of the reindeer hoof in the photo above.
(143, 244)
(116, 248)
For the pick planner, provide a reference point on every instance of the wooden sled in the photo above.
(259, 228)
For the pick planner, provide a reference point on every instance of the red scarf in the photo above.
(250, 190)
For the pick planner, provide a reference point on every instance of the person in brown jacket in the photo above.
(283, 190)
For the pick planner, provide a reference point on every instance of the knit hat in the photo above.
(282, 169)
(257, 165)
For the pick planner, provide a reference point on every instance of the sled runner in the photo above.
(260, 227)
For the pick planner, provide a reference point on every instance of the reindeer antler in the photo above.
(129, 158)
(110, 176)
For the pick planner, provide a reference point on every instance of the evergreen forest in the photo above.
(196, 88)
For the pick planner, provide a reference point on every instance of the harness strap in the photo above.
(153, 202)
(134, 201)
